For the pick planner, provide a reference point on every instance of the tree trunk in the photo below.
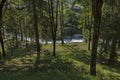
(61, 21)
(107, 41)
(1, 38)
(55, 30)
(53, 24)
(96, 8)
(113, 54)
(36, 31)
(25, 38)
(89, 42)
(2, 45)
(54, 46)
(90, 32)
(118, 43)
(21, 30)
(16, 37)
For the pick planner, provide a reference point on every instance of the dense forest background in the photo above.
(36, 39)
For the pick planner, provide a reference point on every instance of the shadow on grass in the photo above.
(50, 69)
(78, 54)
(38, 75)
(112, 68)
(16, 52)
(104, 61)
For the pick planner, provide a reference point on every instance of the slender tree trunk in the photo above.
(96, 7)
(61, 22)
(1, 38)
(89, 42)
(21, 30)
(54, 46)
(85, 24)
(16, 36)
(107, 41)
(36, 31)
(90, 33)
(26, 42)
(25, 33)
(113, 54)
(118, 43)
(53, 24)
(2, 45)
(55, 30)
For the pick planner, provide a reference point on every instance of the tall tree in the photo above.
(96, 11)
(53, 22)
(36, 31)
(61, 8)
(1, 38)
(90, 32)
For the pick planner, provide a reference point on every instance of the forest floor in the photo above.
(71, 63)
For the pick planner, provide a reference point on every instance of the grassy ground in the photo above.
(72, 63)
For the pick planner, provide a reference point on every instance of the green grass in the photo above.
(72, 63)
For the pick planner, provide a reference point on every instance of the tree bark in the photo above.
(55, 30)
(36, 31)
(113, 54)
(89, 42)
(118, 43)
(90, 32)
(16, 36)
(1, 38)
(21, 29)
(96, 10)
(53, 24)
(61, 22)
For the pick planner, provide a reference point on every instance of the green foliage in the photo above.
(72, 61)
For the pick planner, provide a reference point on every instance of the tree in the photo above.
(53, 22)
(96, 11)
(36, 31)
(61, 8)
(1, 38)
